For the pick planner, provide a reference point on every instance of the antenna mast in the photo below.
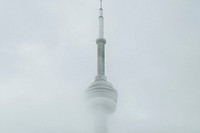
(100, 46)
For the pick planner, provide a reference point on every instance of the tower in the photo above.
(100, 95)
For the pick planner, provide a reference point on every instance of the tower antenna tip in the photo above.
(100, 3)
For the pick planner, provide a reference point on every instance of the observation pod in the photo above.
(101, 95)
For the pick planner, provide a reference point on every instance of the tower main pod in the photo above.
(100, 95)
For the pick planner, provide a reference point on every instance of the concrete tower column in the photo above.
(100, 123)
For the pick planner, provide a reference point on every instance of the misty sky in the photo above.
(48, 59)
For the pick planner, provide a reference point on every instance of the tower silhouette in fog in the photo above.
(100, 95)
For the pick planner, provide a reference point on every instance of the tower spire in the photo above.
(100, 47)
(101, 19)
(100, 3)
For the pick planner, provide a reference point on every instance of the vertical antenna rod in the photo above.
(100, 47)
(101, 20)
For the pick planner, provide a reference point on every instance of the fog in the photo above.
(48, 59)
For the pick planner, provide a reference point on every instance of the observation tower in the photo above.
(100, 95)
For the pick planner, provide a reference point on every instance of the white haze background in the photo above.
(48, 58)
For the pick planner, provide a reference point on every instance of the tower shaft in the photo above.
(101, 123)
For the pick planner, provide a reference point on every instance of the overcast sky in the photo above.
(48, 59)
